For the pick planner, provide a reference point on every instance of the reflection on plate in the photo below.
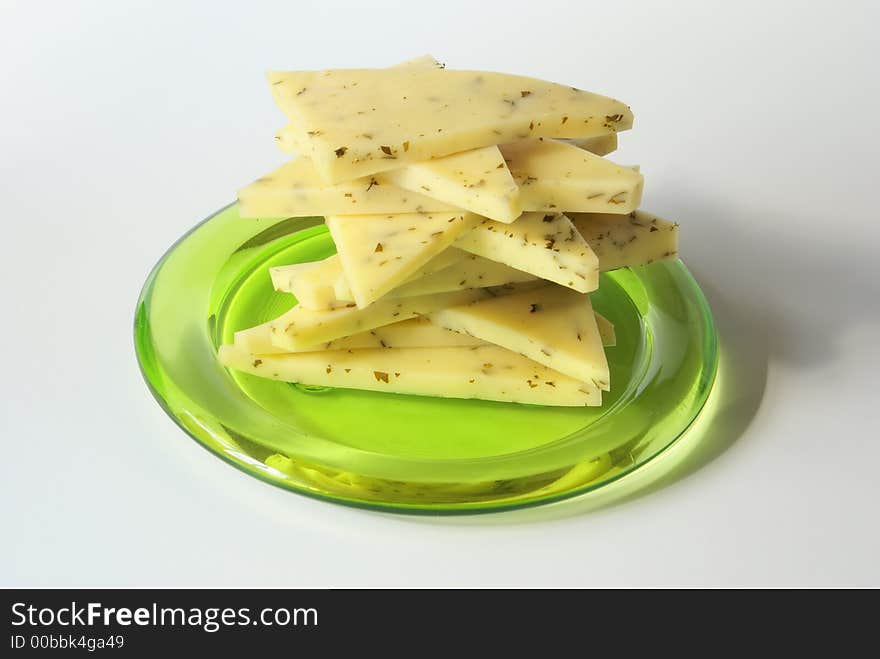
(410, 453)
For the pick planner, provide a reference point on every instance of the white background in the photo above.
(122, 124)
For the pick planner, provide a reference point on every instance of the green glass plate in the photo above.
(410, 453)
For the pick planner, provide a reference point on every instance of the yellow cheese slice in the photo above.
(556, 176)
(417, 332)
(296, 190)
(358, 122)
(413, 333)
(444, 259)
(545, 245)
(601, 145)
(448, 257)
(484, 372)
(311, 283)
(552, 325)
(472, 272)
(283, 276)
(325, 286)
(606, 331)
(380, 252)
(621, 241)
(301, 327)
(477, 180)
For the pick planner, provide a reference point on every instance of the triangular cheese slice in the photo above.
(380, 252)
(296, 190)
(476, 180)
(622, 241)
(301, 327)
(350, 121)
(444, 259)
(484, 372)
(606, 331)
(601, 145)
(552, 325)
(417, 332)
(283, 276)
(472, 272)
(545, 245)
(321, 285)
(311, 283)
(412, 333)
(556, 176)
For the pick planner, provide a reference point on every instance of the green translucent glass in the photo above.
(410, 453)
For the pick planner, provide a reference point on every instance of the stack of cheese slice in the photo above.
(472, 213)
